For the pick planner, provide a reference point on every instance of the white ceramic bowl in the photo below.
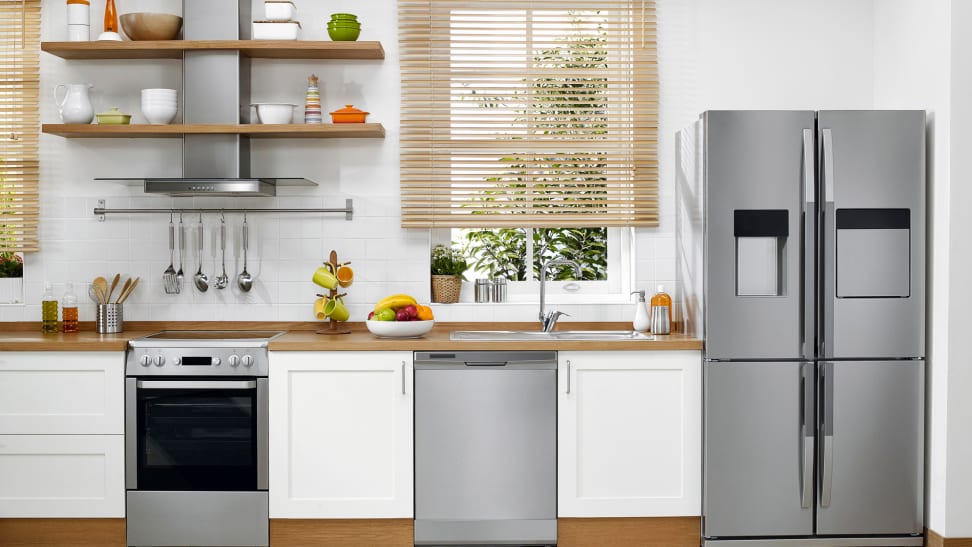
(159, 91)
(276, 30)
(159, 115)
(400, 329)
(274, 112)
(279, 10)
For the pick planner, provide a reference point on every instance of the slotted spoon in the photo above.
(222, 280)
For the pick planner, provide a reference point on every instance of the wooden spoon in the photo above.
(128, 283)
(101, 288)
(114, 283)
(124, 295)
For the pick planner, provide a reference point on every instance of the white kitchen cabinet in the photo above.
(629, 433)
(62, 476)
(62, 440)
(53, 392)
(341, 434)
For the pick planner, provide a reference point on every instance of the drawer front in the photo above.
(52, 393)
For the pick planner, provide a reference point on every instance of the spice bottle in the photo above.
(69, 310)
(111, 17)
(48, 310)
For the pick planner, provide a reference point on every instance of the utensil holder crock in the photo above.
(109, 319)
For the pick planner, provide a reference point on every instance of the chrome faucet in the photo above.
(548, 320)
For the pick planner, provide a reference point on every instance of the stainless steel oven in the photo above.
(196, 439)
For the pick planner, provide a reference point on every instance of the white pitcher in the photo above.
(75, 106)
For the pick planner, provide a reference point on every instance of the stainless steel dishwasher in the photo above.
(486, 448)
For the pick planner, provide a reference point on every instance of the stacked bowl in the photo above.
(159, 106)
(343, 27)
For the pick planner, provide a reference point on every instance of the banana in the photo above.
(395, 302)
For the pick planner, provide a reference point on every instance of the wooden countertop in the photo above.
(302, 336)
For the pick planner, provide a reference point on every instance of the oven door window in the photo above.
(197, 439)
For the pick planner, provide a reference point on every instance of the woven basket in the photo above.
(445, 288)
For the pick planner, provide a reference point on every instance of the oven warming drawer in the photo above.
(204, 519)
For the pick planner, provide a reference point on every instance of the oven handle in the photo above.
(188, 384)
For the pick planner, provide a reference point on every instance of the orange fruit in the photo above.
(424, 312)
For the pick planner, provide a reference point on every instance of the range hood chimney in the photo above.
(216, 90)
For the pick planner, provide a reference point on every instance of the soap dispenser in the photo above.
(641, 320)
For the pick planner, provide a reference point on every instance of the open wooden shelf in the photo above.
(255, 49)
(287, 131)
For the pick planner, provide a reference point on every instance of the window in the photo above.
(528, 113)
(19, 125)
(529, 129)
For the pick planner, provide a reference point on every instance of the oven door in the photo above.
(196, 434)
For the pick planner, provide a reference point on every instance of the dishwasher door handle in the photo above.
(485, 363)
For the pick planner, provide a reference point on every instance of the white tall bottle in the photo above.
(641, 320)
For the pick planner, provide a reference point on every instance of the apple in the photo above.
(371, 314)
(384, 314)
(401, 315)
(411, 310)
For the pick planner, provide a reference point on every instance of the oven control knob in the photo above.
(247, 361)
(159, 360)
(145, 360)
(234, 360)
(216, 361)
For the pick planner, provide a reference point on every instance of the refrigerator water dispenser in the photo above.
(760, 251)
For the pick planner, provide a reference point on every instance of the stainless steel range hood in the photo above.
(216, 90)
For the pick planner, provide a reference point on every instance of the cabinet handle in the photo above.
(403, 377)
(568, 376)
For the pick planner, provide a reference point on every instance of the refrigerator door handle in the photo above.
(806, 434)
(828, 165)
(826, 431)
(808, 275)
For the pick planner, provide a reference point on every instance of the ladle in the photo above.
(201, 280)
(222, 280)
(245, 280)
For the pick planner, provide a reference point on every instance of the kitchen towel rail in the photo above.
(348, 210)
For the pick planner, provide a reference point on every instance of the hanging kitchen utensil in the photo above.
(245, 280)
(180, 277)
(222, 280)
(201, 280)
(169, 275)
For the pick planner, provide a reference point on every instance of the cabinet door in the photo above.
(629, 433)
(62, 476)
(341, 434)
(51, 393)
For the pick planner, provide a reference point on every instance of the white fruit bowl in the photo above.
(400, 329)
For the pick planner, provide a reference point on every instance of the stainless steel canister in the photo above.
(109, 319)
(499, 289)
(483, 290)
(659, 320)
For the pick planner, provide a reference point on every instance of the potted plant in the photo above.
(448, 266)
(11, 278)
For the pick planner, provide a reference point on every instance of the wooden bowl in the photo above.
(143, 26)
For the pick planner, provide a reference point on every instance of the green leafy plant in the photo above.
(448, 261)
(11, 265)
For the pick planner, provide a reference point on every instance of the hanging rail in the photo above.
(101, 210)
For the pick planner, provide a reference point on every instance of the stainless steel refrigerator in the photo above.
(813, 317)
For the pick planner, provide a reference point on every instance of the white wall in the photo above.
(714, 54)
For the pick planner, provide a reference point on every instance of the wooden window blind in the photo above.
(528, 113)
(19, 124)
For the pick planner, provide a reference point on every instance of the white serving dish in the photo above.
(279, 10)
(276, 30)
(274, 112)
(400, 329)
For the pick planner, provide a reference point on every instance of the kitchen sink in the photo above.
(533, 335)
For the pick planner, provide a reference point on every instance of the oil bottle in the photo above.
(663, 301)
(48, 310)
(69, 310)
